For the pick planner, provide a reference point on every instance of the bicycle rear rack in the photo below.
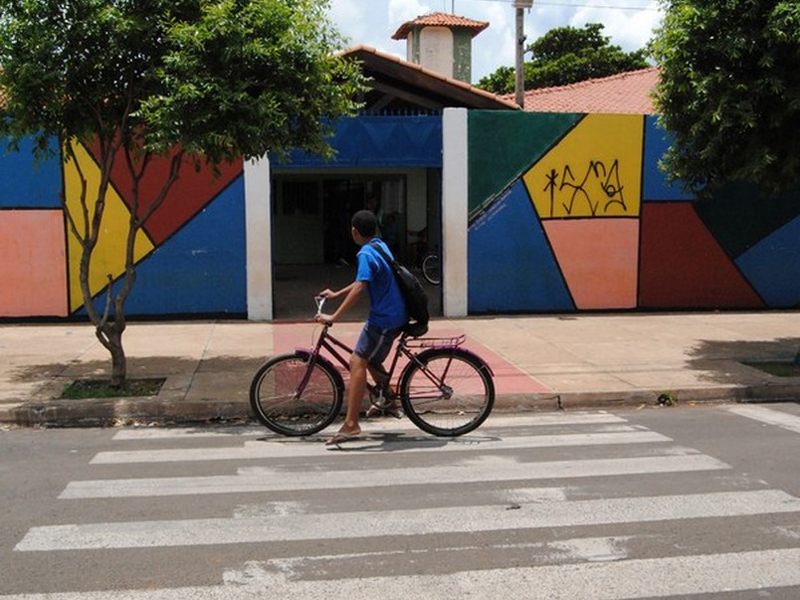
(436, 342)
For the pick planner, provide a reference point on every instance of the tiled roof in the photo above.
(502, 101)
(439, 19)
(622, 93)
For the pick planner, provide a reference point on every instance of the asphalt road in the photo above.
(683, 502)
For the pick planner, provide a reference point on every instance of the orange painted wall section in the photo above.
(598, 258)
(32, 263)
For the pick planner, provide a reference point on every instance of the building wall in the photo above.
(436, 50)
(190, 254)
(570, 212)
(566, 212)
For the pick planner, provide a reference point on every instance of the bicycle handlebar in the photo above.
(320, 300)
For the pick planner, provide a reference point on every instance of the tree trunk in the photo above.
(119, 362)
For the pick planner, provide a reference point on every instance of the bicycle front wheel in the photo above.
(279, 403)
(431, 269)
(447, 391)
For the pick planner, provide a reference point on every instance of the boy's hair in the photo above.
(365, 223)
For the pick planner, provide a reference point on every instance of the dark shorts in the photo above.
(375, 343)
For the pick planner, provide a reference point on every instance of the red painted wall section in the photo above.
(683, 266)
(33, 268)
(189, 194)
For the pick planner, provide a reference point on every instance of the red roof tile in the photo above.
(622, 93)
(439, 19)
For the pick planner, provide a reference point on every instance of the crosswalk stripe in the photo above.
(618, 580)
(469, 519)
(485, 468)
(769, 416)
(292, 449)
(496, 420)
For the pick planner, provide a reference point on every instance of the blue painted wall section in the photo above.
(773, 266)
(373, 141)
(26, 183)
(654, 183)
(510, 264)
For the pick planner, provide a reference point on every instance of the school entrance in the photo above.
(312, 245)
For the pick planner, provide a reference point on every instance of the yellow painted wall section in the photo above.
(595, 171)
(109, 254)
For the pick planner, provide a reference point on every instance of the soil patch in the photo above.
(102, 388)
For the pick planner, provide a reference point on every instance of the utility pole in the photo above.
(519, 86)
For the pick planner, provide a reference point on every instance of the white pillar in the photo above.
(455, 212)
(258, 230)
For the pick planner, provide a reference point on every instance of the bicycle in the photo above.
(445, 390)
(431, 269)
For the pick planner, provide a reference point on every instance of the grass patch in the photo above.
(779, 369)
(102, 388)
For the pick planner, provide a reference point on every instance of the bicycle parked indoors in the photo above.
(431, 268)
(444, 389)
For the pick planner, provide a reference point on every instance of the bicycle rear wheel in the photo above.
(447, 391)
(276, 402)
(431, 269)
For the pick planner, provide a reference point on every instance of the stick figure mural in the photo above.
(581, 237)
(587, 192)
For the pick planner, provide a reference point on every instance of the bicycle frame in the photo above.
(330, 343)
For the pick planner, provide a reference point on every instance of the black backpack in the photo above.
(413, 293)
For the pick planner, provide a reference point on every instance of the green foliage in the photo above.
(222, 78)
(730, 91)
(213, 79)
(567, 55)
(500, 81)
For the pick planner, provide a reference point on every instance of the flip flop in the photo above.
(342, 437)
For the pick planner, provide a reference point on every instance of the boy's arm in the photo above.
(353, 291)
(330, 294)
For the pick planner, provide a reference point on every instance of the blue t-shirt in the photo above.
(387, 308)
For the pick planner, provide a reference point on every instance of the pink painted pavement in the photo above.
(508, 378)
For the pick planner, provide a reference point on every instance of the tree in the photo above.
(567, 55)
(183, 81)
(730, 91)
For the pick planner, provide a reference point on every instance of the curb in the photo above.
(127, 411)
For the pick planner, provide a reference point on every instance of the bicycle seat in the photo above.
(415, 329)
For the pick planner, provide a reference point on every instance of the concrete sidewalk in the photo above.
(539, 362)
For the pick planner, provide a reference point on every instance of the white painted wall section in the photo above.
(455, 212)
(259, 234)
(436, 50)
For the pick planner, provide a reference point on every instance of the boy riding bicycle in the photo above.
(387, 316)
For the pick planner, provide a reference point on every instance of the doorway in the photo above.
(312, 245)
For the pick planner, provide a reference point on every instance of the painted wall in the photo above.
(190, 254)
(569, 212)
(33, 263)
(566, 212)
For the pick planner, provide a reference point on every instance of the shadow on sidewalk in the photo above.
(184, 369)
(724, 361)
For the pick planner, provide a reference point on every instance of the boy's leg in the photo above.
(379, 375)
(355, 393)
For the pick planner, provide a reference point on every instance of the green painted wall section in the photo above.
(415, 34)
(462, 59)
(741, 215)
(502, 145)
